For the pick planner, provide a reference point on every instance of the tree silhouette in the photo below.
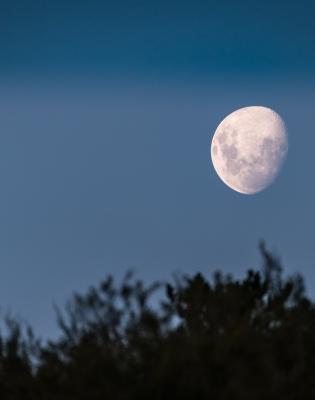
(250, 338)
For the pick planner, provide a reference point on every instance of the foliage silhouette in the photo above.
(250, 338)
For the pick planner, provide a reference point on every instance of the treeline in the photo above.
(225, 339)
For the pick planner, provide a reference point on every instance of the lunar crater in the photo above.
(229, 151)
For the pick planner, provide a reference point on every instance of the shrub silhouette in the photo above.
(250, 338)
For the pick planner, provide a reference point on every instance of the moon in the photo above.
(249, 148)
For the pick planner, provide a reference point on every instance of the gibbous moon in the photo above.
(248, 148)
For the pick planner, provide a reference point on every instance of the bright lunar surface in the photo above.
(248, 148)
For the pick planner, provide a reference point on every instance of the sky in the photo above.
(107, 111)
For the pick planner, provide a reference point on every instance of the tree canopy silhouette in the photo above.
(225, 339)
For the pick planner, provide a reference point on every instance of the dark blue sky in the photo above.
(107, 110)
(162, 37)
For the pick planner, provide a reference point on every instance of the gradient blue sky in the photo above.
(107, 110)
